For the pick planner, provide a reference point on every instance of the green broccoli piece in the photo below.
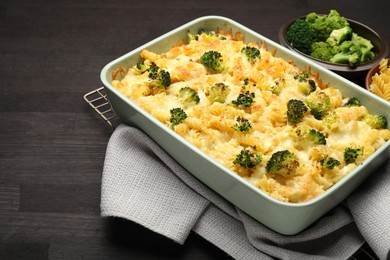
(153, 71)
(351, 58)
(353, 102)
(323, 25)
(323, 51)
(354, 51)
(305, 85)
(188, 96)
(351, 154)
(212, 60)
(218, 93)
(163, 77)
(365, 47)
(319, 104)
(244, 99)
(242, 125)
(296, 110)
(300, 35)
(247, 158)
(278, 86)
(252, 53)
(329, 162)
(141, 67)
(282, 162)
(376, 121)
(317, 137)
(337, 36)
(177, 116)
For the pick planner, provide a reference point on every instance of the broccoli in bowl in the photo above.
(330, 38)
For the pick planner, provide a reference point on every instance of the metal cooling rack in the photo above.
(98, 100)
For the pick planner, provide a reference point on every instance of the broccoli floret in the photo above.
(317, 137)
(252, 53)
(247, 158)
(329, 163)
(282, 162)
(244, 100)
(305, 85)
(354, 51)
(279, 85)
(242, 125)
(212, 60)
(323, 25)
(188, 96)
(319, 104)
(177, 116)
(323, 51)
(218, 93)
(337, 36)
(153, 71)
(350, 58)
(162, 77)
(365, 47)
(376, 121)
(141, 67)
(296, 110)
(353, 102)
(351, 154)
(300, 35)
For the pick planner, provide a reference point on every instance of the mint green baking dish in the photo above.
(282, 217)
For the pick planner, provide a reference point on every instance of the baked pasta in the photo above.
(276, 125)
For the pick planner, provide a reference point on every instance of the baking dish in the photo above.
(282, 217)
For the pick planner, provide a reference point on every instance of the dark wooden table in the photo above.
(52, 144)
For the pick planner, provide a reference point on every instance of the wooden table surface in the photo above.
(52, 144)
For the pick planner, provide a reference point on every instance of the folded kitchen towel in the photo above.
(142, 183)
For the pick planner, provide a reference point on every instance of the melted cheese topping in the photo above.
(209, 126)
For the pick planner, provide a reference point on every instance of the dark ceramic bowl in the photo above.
(381, 49)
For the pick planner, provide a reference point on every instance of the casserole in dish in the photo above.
(281, 216)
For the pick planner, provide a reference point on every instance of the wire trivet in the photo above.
(98, 100)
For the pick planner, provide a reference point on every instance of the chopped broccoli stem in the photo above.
(351, 154)
(188, 96)
(252, 53)
(296, 110)
(212, 60)
(218, 93)
(244, 99)
(247, 159)
(329, 163)
(282, 162)
(242, 125)
(177, 116)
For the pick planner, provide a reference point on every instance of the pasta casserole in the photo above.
(274, 124)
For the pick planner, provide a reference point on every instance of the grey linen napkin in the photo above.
(142, 183)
